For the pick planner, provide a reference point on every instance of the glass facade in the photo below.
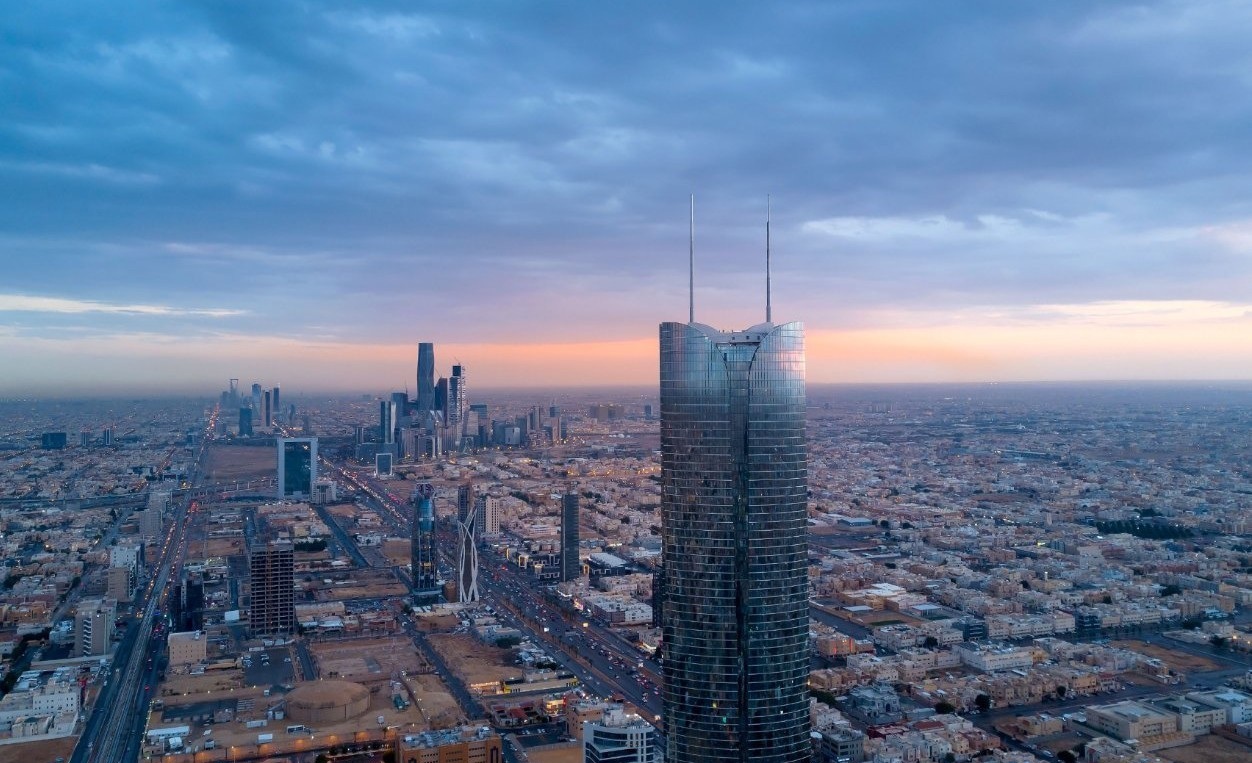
(734, 601)
(297, 466)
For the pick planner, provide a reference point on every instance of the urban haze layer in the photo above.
(731, 567)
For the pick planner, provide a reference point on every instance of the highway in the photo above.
(114, 730)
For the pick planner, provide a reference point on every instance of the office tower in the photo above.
(441, 397)
(456, 404)
(120, 583)
(267, 416)
(93, 623)
(488, 510)
(467, 548)
(571, 565)
(425, 377)
(383, 464)
(271, 581)
(106, 437)
(256, 398)
(619, 737)
(245, 422)
(53, 440)
(187, 604)
(734, 604)
(386, 422)
(425, 564)
(84, 439)
(278, 406)
(297, 466)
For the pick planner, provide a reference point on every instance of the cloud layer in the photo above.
(496, 174)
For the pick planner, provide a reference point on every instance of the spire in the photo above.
(691, 265)
(769, 315)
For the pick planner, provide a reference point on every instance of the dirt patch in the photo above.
(44, 749)
(571, 752)
(398, 552)
(474, 661)
(1209, 749)
(1178, 661)
(368, 659)
(240, 462)
(436, 704)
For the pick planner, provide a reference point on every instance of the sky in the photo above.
(299, 192)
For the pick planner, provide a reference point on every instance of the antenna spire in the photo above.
(691, 265)
(769, 313)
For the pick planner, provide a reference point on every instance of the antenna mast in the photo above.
(769, 314)
(691, 265)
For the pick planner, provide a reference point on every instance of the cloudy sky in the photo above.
(300, 192)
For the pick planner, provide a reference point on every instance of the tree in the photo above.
(982, 702)
(321, 758)
(884, 524)
(1060, 692)
(1066, 756)
(944, 708)
(930, 642)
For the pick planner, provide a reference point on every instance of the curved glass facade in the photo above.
(734, 604)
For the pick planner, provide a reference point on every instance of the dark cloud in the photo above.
(374, 169)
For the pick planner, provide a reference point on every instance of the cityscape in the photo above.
(812, 382)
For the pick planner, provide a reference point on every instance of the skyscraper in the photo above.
(297, 466)
(425, 564)
(456, 405)
(386, 422)
(271, 580)
(425, 377)
(734, 599)
(245, 422)
(467, 548)
(267, 418)
(278, 406)
(571, 565)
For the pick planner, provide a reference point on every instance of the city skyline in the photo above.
(1008, 193)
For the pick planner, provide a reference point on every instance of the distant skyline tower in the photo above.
(734, 598)
(571, 564)
(425, 377)
(278, 407)
(386, 422)
(267, 417)
(456, 404)
(467, 544)
(245, 422)
(425, 563)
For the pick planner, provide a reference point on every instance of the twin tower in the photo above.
(734, 589)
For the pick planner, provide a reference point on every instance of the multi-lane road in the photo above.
(114, 731)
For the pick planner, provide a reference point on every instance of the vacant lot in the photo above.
(1209, 749)
(1180, 661)
(227, 463)
(44, 749)
(366, 659)
(474, 661)
(436, 704)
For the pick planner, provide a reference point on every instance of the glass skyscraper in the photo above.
(734, 594)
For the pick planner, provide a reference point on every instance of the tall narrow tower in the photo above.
(424, 561)
(734, 604)
(571, 564)
(425, 377)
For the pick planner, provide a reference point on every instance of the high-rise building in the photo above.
(271, 580)
(425, 377)
(425, 564)
(619, 737)
(256, 399)
(571, 564)
(734, 601)
(386, 422)
(297, 466)
(245, 422)
(488, 515)
(278, 406)
(94, 626)
(467, 548)
(267, 417)
(441, 397)
(456, 405)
